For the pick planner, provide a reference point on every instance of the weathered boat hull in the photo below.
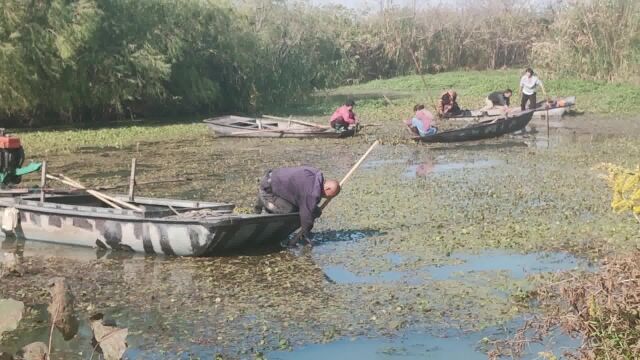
(484, 130)
(126, 230)
(540, 113)
(237, 126)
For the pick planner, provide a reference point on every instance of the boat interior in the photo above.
(146, 207)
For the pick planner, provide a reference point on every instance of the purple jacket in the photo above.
(302, 187)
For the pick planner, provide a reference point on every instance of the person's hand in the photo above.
(296, 239)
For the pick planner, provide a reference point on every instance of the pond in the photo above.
(427, 251)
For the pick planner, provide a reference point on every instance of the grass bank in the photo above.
(473, 87)
(379, 101)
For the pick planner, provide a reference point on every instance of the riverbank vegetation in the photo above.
(68, 62)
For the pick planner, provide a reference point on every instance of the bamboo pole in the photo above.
(352, 170)
(95, 194)
(132, 179)
(43, 180)
(344, 180)
(296, 121)
(256, 131)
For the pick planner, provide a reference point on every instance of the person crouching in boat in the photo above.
(497, 100)
(448, 104)
(344, 117)
(421, 123)
(295, 189)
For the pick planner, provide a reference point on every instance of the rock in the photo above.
(10, 314)
(61, 308)
(111, 341)
(34, 351)
(12, 265)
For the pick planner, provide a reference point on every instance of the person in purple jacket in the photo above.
(287, 190)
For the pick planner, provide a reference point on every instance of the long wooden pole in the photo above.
(296, 121)
(353, 169)
(344, 180)
(93, 193)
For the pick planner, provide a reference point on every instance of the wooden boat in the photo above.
(164, 226)
(238, 126)
(555, 111)
(483, 130)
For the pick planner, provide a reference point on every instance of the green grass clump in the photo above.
(59, 141)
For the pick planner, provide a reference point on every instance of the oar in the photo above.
(296, 121)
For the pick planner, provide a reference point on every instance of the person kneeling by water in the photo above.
(421, 123)
(344, 118)
(295, 189)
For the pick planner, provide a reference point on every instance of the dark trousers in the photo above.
(270, 202)
(532, 101)
(339, 122)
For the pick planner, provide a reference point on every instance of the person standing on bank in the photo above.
(528, 87)
(295, 189)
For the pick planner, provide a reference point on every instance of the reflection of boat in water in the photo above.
(164, 226)
(483, 130)
(238, 126)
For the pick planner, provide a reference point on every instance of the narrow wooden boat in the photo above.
(484, 130)
(170, 227)
(238, 126)
(559, 106)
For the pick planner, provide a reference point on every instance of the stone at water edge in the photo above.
(11, 265)
(111, 341)
(34, 351)
(10, 314)
(61, 308)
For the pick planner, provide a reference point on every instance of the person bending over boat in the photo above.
(344, 118)
(528, 86)
(295, 189)
(448, 105)
(422, 122)
(498, 99)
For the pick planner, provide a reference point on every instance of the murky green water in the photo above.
(423, 240)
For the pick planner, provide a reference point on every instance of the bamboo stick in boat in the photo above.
(296, 121)
(91, 192)
(110, 198)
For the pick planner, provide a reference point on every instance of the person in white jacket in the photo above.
(528, 87)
